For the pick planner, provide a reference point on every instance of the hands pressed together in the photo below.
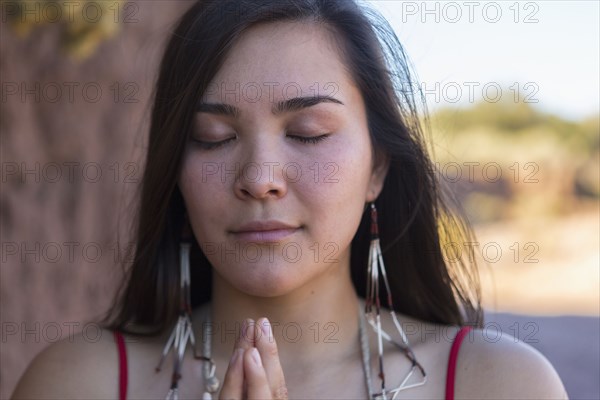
(254, 371)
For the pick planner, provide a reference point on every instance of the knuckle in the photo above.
(226, 396)
(272, 350)
(281, 393)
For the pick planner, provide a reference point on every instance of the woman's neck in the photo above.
(316, 322)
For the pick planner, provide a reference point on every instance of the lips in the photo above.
(264, 231)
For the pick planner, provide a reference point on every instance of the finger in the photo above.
(233, 383)
(236, 389)
(245, 339)
(267, 347)
(257, 385)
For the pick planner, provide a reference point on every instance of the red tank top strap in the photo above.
(122, 365)
(452, 361)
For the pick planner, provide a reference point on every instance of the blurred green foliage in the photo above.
(548, 164)
(83, 24)
(515, 119)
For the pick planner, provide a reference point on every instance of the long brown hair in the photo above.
(415, 214)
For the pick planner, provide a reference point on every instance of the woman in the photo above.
(284, 143)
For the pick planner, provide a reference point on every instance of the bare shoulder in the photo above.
(77, 367)
(504, 368)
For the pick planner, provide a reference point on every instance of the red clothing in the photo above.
(122, 365)
(449, 376)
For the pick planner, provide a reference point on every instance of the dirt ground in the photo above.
(570, 343)
(542, 266)
(545, 290)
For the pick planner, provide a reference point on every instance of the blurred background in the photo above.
(513, 95)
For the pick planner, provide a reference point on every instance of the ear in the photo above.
(378, 175)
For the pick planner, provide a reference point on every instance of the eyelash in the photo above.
(310, 139)
(211, 145)
(302, 139)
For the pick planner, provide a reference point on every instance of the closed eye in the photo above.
(212, 145)
(303, 139)
(310, 139)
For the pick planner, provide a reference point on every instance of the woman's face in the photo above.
(279, 167)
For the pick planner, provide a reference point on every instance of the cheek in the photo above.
(202, 195)
(337, 196)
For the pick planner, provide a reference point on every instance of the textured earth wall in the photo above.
(73, 131)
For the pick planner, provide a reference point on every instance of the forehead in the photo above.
(281, 60)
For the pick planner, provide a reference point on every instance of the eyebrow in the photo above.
(218, 109)
(295, 104)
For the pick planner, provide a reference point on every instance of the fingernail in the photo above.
(236, 355)
(256, 356)
(266, 328)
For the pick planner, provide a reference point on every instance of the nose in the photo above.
(261, 176)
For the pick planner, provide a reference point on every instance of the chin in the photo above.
(272, 282)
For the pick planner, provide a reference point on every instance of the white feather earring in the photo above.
(374, 268)
(183, 334)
